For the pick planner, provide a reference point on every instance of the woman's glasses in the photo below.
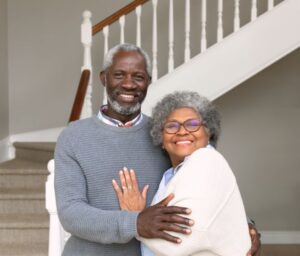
(190, 125)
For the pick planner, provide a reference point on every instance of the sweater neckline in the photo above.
(121, 129)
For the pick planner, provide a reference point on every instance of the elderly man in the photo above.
(89, 154)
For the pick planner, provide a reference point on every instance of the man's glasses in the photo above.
(190, 125)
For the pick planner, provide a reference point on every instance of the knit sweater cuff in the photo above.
(129, 225)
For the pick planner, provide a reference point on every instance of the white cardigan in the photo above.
(206, 184)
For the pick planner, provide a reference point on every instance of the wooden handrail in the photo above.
(80, 95)
(115, 16)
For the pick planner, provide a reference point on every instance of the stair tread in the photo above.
(33, 249)
(42, 146)
(22, 166)
(21, 221)
(20, 193)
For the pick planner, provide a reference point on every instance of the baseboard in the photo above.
(6, 150)
(280, 237)
(47, 135)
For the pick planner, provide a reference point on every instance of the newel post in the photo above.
(86, 40)
(56, 239)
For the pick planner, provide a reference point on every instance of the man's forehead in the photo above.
(127, 54)
(129, 57)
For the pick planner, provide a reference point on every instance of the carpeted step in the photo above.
(21, 249)
(20, 173)
(35, 151)
(25, 201)
(24, 228)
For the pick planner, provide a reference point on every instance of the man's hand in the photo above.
(153, 221)
(255, 240)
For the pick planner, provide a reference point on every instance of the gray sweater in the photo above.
(88, 156)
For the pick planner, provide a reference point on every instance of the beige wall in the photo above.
(45, 58)
(4, 124)
(45, 54)
(260, 138)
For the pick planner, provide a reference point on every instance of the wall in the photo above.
(45, 58)
(45, 54)
(4, 124)
(260, 140)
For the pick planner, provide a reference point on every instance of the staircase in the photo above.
(24, 221)
(236, 58)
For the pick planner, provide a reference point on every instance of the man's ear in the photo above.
(103, 77)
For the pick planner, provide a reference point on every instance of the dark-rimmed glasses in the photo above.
(190, 125)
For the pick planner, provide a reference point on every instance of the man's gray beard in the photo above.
(127, 111)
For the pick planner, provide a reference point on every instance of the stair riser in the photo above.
(32, 249)
(24, 235)
(34, 155)
(19, 181)
(22, 206)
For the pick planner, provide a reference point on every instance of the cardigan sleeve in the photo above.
(76, 215)
(206, 184)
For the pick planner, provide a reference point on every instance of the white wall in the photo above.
(260, 138)
(4, 124)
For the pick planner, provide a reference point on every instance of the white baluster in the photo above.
(105, 32)
(154, 42)
(253, 10)
(171, 37)
(56, 237)
(106, 35)
(236, 15)
(122, 26)
(138, 11)
(270, 4)
(203, 26)
(220, 21)
(86, 40)
(187, 52)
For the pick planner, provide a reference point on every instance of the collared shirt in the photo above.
(117, 123)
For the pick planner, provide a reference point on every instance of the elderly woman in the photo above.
(187, 126)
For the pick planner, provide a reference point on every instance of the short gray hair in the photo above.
(181, 99)
(108, 59)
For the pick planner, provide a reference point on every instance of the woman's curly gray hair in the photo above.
(181, 99)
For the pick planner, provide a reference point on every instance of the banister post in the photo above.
(56, 241)
(86, 40)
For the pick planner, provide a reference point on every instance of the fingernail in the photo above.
(121, 172)
(188, 231)
(125, 168)
(188, 211)
(178, 240)
(191, 222)
(131, 170)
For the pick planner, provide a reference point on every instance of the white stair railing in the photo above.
(57, 235)
(86, 40)
(171, 36)
(154, 41)
(203, 27)
(187, 50)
